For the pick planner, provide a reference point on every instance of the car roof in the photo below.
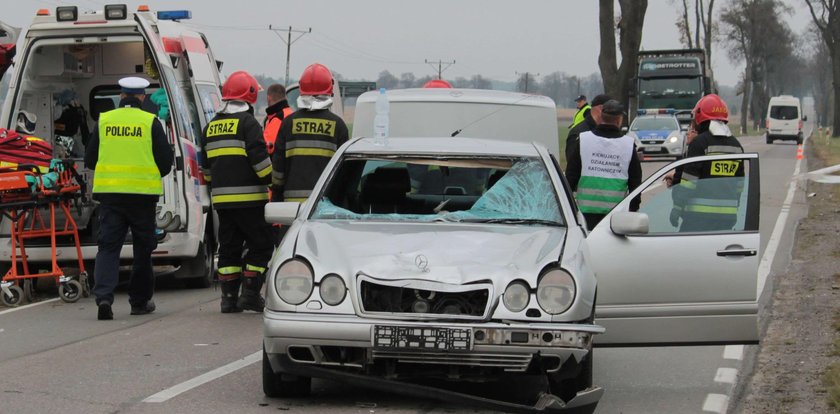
(444, 146)
(460, 95)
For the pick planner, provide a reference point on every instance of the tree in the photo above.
(703, 13)
(408, 80)
(617, 78)
(480, 82)
(526, 82)
(826, 15)
(387, 80)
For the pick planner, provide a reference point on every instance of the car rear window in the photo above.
(784, 112)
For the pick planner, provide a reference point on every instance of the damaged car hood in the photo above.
(451, 253)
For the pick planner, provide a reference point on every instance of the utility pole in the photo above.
(440, 67)
(527, 75)
(288, 41)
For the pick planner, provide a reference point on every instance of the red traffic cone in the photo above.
(800, 153)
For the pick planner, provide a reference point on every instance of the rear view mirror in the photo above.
(282, 213)
(629, 223)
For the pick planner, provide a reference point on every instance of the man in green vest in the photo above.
(583, 108)
(604, 166)
(129, 153)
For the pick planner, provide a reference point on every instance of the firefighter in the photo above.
(129, 154)
(703, 202)
(238, 170)
(308, 138)
(277, 110)
(604, 166)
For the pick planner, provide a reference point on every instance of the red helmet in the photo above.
(437, 83)
(241, 86)
(710, 107)
(316, 80)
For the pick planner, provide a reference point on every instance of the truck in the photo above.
(670, 81)
(69, 58)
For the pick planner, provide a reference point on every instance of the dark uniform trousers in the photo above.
(114, 222)
(244, 225)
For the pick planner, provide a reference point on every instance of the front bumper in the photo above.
(510, 346)
(664, 149)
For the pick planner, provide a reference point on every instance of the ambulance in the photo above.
(65, 70)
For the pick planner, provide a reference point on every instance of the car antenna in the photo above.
(458, 131)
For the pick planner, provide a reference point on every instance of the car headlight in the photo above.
(556, 291)
(332, 289)
(516, 296)
(673, 138)
(293, 282)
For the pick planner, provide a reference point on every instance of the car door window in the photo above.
(710, 197)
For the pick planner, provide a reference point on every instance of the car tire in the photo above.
(769, 140)
(799, 139)
(198, 272)
(275, 386)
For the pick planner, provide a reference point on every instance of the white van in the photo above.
(474, 113)
(784, 119)
(68, 59)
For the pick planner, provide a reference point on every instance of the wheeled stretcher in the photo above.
(29, 198)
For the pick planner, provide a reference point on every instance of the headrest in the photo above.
(386, 185)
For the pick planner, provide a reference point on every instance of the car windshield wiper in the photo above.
(514, 221)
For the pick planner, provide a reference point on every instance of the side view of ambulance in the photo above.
(66, 67)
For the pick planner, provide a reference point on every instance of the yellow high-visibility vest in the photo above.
(126, 162)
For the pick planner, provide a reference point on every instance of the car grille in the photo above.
(506, 361)
(403, 299)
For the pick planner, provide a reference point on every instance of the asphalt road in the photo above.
(55, 357)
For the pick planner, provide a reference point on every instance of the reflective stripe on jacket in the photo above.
(237, 168)
(126, 163)
(605, 169)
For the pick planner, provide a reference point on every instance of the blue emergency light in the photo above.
(656, 111)
(174, 15)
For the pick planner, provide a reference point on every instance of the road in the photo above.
(55, 357)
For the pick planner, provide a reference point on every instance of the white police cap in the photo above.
(134, 85)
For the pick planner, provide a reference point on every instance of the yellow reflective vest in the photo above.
(580, 115)
(126, 163)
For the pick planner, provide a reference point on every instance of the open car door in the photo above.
(683, 276)
(8, 40)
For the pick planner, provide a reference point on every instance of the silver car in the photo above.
(466, 259)
(658, 136)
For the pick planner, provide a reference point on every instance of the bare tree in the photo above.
(703, 13)
(617, 78)
(826, 15)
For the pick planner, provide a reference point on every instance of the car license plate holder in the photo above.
(421, 338)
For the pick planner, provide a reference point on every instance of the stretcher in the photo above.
(29, 199)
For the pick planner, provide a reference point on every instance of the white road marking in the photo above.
(726, 375)
(204, 378)
(733, 352)
(773, 244)
(27, 306)
(716, 403)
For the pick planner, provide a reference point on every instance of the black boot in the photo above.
(230, 292)
(251, 299)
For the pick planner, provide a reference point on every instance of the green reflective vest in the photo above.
(580, 115)
(126, 163)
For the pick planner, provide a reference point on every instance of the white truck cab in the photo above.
(66, 68)
(784, 119)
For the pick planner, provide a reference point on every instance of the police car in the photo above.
(658, 135)
(69, 63)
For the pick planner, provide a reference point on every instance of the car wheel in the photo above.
(275, 386)
(769, 140)
(198, 272)
(799, 139)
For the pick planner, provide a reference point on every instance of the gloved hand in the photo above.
(674, 218)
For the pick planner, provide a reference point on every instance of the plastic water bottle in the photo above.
(380, 122)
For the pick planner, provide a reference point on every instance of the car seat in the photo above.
(384, 191)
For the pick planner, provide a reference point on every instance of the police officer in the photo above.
(239, 170)
(308, 138)
(701, 202)
(604, 166)
(129, 153)
(591, 118)
(583, 109)
(278, 109)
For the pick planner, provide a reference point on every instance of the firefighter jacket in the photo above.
(274, 116)
(129, 153)
(706, 203)
(307, 142)
(237, 166)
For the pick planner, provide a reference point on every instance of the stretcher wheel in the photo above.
(29, 290)
(70, 291)
(15, 299)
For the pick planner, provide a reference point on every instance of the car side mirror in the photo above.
(624, 130)
(805, 117)
(630, 223)
(282, 213)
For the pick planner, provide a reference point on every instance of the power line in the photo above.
(288, 41)
(440, 67)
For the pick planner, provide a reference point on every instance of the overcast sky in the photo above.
(360, 38)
